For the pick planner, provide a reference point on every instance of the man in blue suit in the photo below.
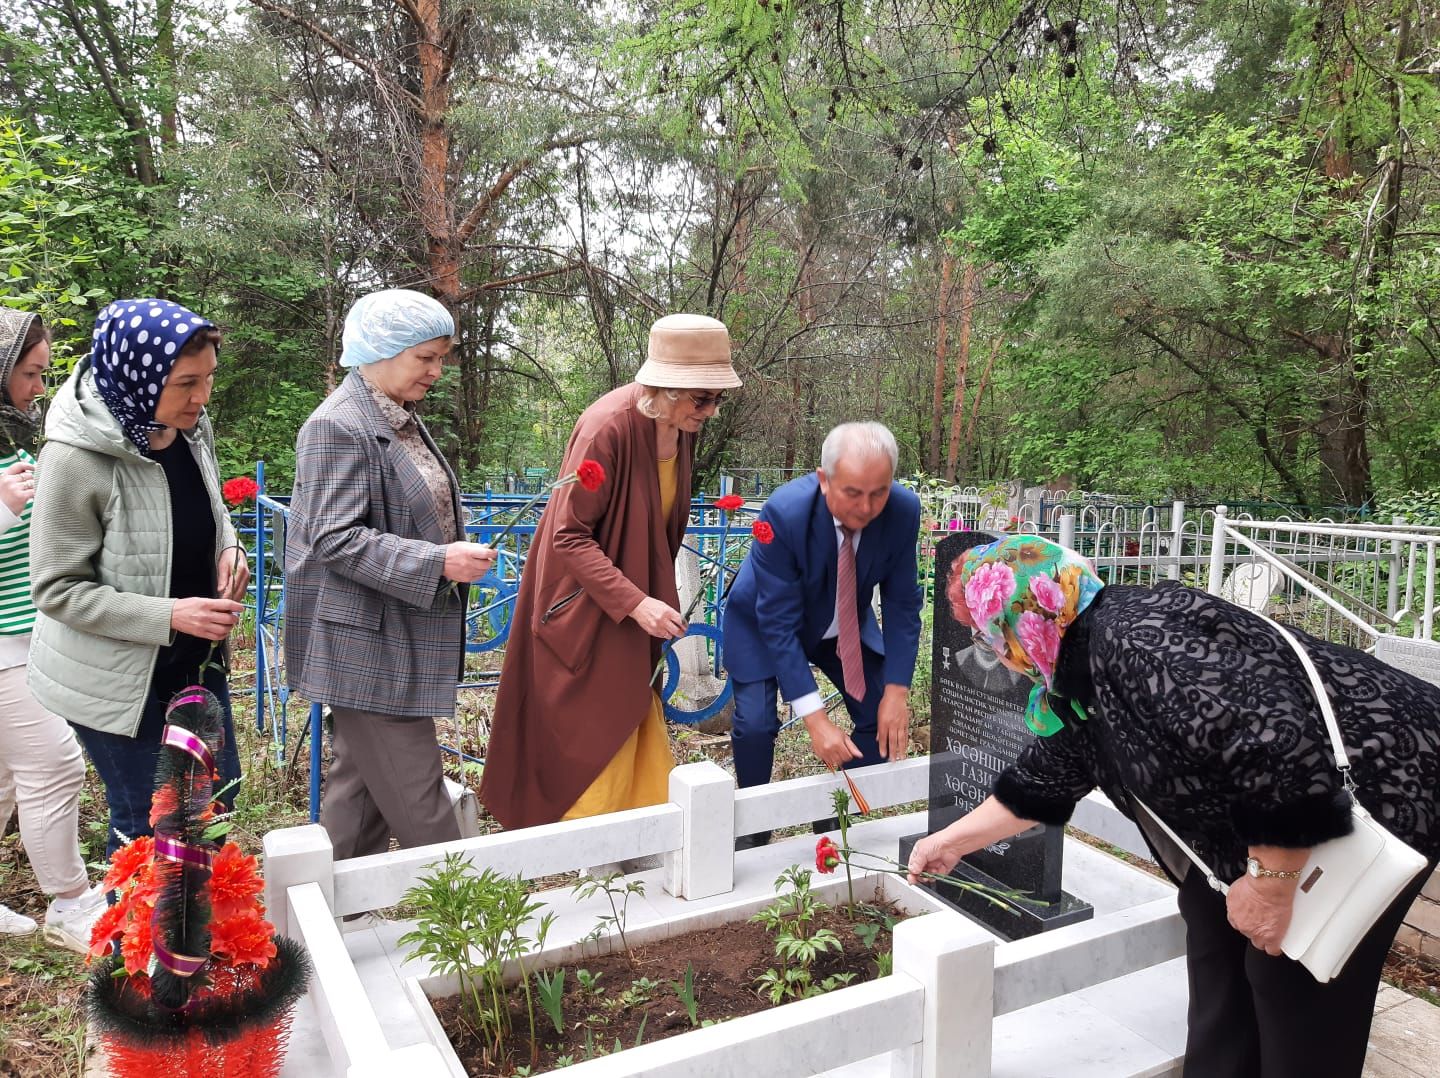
(804, 599)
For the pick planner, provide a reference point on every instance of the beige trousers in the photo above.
(41, 771)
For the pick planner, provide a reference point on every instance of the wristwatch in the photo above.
(1254, 868)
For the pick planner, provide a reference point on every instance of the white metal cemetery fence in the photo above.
(1344, 582)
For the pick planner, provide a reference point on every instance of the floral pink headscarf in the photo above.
(1020, 594)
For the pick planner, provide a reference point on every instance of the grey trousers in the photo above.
(385, 780)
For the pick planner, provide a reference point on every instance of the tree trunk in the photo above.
(442, 239)
(942, 324)
(965, 446)
(969, 290)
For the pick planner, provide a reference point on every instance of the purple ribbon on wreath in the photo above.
(177, 850)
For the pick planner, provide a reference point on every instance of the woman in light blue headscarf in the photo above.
(374, 626)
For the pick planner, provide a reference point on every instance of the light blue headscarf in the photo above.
(384, 324)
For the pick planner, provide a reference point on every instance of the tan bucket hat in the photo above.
(689, 351)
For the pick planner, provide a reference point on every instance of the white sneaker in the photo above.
(15, 924)
(68, 921)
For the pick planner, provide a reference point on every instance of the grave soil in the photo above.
(726, 959)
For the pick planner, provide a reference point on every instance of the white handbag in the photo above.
(1348, 882)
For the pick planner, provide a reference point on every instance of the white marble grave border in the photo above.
(932, 1016)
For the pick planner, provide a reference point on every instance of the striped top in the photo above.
(17, 610)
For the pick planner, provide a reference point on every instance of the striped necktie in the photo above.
(848, 618)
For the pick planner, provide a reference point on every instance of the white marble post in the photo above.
(295, 855)
(704, 865)
(954, 959)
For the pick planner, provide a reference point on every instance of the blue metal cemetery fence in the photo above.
(717, 539)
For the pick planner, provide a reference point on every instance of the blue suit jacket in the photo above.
(783, 599)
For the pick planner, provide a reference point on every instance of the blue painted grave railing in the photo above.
(718, 540)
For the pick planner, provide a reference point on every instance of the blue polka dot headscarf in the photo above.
(133, 348)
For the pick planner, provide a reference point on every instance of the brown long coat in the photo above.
(576, 679)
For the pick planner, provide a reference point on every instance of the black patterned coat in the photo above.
(1203, 711)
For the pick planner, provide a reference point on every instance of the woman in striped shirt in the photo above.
(41, 767)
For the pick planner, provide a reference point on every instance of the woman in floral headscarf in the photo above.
(135, 566)
(1200, 710)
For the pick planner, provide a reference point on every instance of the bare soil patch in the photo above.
(636, 998)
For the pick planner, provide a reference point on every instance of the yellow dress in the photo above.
(639, 774)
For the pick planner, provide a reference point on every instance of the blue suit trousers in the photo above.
(756, 723)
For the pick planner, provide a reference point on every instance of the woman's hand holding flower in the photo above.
(658, 619)
(232, 573)
(931, 855)
(467, 562)
(209, 619)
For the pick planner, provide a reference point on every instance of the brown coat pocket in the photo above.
(567, 628)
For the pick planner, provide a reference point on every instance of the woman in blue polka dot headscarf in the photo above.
(135, 565)
(133, 348)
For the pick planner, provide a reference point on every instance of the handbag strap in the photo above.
(1215, 882)
(1327, 712)
(1342, 759)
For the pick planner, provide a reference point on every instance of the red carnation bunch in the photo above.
(239, 490)
(762, 531)
(729, 503)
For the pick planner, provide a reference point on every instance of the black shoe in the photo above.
(752, 842)
(822, 827)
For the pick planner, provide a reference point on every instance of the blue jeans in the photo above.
(756, 723)
(126, 765)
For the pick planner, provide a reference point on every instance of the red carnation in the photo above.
(729, 502)
(762, 531)
(239, 490)
(827, 854)
(234, 882)
(591, 474)
(137, 944)
(127, 861)
(107, 927)
(244, 939)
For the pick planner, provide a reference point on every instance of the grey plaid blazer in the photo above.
(370, 623)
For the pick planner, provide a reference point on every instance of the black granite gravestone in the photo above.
(977, 729)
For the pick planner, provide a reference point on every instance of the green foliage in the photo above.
(685, 992)
(617, 890)
(797, 942)
(470, 925)
(550, 988)
(61, 219)
(1415, 507)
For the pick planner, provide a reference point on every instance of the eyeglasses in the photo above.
(705, 400)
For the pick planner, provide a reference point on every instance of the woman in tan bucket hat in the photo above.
(577, 729)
